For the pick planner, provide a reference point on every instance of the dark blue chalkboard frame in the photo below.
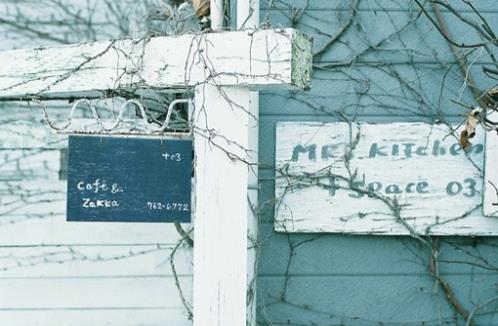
(129, 179)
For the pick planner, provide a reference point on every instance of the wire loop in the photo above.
(150, 128)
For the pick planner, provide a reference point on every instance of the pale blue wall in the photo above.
(371, 280)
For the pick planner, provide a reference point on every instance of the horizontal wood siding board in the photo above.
(23, 125)
(37, 12)
(372, 300)
(27, 135)
(337, 255)
(92, 317)
(73, 261)
(54, 230)
(378, 42)
(131, 292)
(31, 164)
(368, 5)
(360, 255)
(362, 90)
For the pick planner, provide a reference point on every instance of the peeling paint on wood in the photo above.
(490, 205)
(257, 59)
(220, 206)
(302, 60)
(420, 168)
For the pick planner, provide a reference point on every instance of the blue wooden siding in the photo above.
(371, 280)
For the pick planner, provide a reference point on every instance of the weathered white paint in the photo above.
(28, 164)
(248, 17)
(74, 261)
(308, 204)
(220, 250)
(125, 292)
(27, 135)
(490, 205)
(92, 317)
(256, 59)
(248, 14)
(219, 289)
(217, 14)
(224, 142)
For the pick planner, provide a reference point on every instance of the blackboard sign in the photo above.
(129, 179)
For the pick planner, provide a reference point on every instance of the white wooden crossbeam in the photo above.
(256, 59)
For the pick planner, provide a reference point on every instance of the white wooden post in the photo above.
(213, 63)
(220, 233)
(248, 18)
(220, 252)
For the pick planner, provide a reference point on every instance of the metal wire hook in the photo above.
(124, 106)
(170, 111)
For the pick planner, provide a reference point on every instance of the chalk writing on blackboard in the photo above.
(99, 186)
(173, 157)
(129, 179)
(168, 206)
(96, 187)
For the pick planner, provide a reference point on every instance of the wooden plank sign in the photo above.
(491, 172)
(396, 178)
(129, 179)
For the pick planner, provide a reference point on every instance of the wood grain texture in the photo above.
(368, 5)
(256, 59)
(437, 187)
(220, 252)
(107, 292)
(93, 317)
(418, 35)
(29, 164)
(93, 261)
(360, 255)
(25, 135)
(325, 294)
(324, 102)
(490, 205)
(248, 17)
